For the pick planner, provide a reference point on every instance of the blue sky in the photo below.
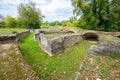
(52, 9)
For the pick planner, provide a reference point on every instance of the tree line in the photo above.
(102, 15)
(29, 17)
(65, 23)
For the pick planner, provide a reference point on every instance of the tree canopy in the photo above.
(29, 16)
(98, 14)
(10, 22)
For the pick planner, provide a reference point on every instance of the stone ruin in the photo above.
(66, 39)
(12, 38)
(12, 63)
(69, 37)
(56, 45)
(108, 44)
(105, 49)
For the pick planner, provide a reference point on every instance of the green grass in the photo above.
(61, 67)
(10, 30)
(50, 36)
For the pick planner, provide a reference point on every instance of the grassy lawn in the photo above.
(62, 67)
(10, 30)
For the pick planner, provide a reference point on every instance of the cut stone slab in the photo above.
(104, 49)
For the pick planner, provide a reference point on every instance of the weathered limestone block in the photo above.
(92, 49)
(44, 45)
(51, 46)
(12, 38)
(7, 38)
(36, 33)
(56, 45)
(108, 48)
(21, 35)
(115, 34)
(70, 40)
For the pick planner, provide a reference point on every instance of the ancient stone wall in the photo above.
(12, 38)
(56, 45)
(104, 49)
(52, 31)
(7, 38)
(21, 35)
(70, 40)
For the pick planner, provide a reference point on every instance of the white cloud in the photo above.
(13, 2)
(40, 1)
(51, 9)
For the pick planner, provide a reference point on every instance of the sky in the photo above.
(53, 10)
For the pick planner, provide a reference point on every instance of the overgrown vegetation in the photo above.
(29, 17)
(63, 66)
(98, 14)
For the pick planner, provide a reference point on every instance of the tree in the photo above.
(64, 23)
(47, 24)
(56, 23)
(96, 14)
(2, 23)
(10, 22)
(1, 18)
(114, 16)
(74, 23)
(20, 22)
(30, 16)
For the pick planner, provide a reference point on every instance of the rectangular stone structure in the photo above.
(56, 45)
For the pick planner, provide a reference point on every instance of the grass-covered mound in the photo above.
(100, 67)
(61, 67)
